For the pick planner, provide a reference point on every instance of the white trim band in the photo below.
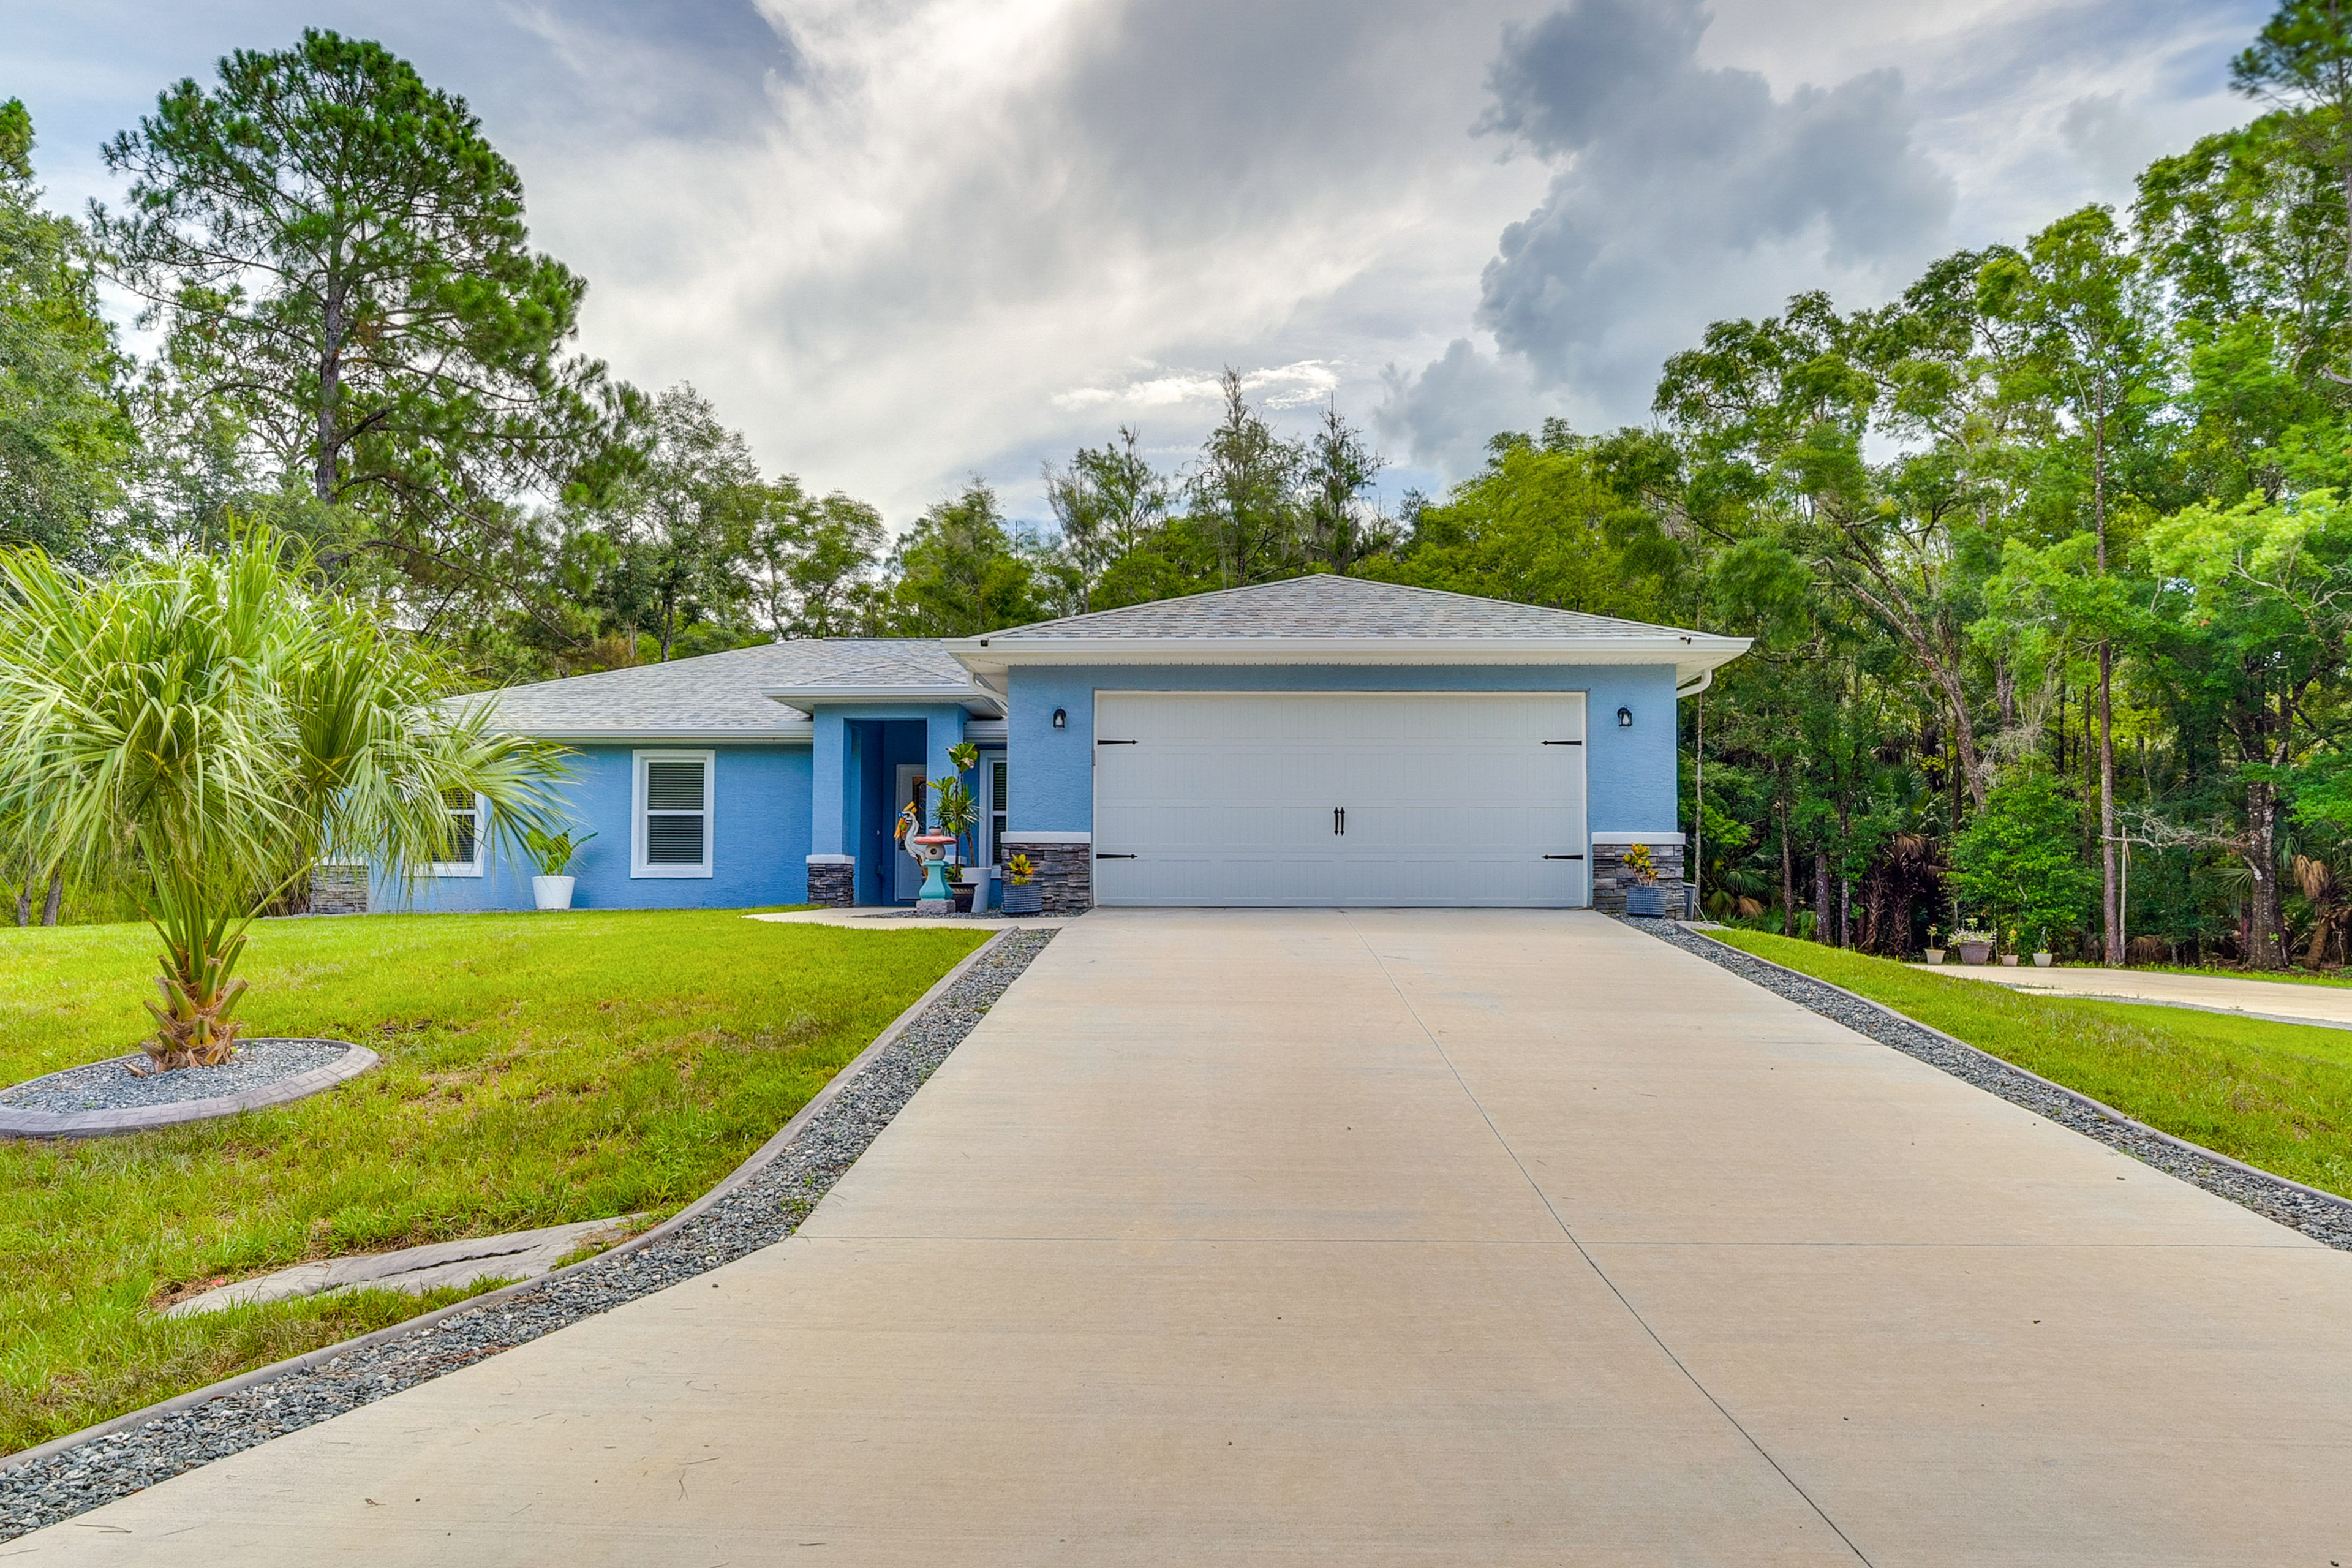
(833, 859)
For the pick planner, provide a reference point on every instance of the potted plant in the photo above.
(956, 813)
(2010, 957)
(1935, 945)
(1022, 895)
(553, 853)
(2042, 948)
(1645, 897)
(1976, 946)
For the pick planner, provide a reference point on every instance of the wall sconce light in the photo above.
(1061, 720)
(1624, 718)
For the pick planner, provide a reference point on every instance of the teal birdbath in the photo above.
(931, 849)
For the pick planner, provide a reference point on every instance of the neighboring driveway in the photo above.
(1385, 1238)
(2283, 1001)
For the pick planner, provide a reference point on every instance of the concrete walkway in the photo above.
(1397, 1238)
(2281, 1001)
(876, 917)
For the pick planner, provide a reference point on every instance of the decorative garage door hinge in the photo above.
(1563, 742)
(1114, 743)
(1099, 856)
(1563, 857)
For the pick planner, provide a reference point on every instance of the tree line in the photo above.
(2045, 559)
(357, 345)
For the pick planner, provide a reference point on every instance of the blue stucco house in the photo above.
(1324, 740)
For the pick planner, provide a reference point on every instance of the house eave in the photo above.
(1691, 654)
(800, 734)
(969, 697)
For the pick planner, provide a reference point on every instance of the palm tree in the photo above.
(209, 728)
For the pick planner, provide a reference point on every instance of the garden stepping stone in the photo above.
(520, 1254)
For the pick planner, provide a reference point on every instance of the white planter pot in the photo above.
(552, 893)
(1934, 955)
(2040, 960)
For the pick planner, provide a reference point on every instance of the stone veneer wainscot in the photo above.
(833, 879)
(1610, 878)
(1065, 879)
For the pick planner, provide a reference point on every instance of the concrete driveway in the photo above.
(1396, 1238)
(2282, 1001)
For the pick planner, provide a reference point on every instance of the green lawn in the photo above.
(2277, 1096)
(537, 1069)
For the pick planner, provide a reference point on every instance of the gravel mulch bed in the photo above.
(764, 1210)
(111, 1085)
(2323, 1219)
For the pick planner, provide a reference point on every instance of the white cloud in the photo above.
(900, 240)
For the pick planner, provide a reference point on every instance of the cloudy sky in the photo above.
(900, 242)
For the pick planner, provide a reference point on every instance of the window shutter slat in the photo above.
(673, 787)
(673, 840)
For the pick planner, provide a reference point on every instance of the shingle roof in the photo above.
(722, 692)
(1330, 606)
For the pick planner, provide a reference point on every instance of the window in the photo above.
(670, 835)
(993, 854)
(461, 841)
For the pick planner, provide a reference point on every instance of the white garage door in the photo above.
(1326, 798)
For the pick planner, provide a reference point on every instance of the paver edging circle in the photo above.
(2098, 1107)
(759, 1158)
(17, 1122)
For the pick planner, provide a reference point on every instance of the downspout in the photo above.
(1698, 781)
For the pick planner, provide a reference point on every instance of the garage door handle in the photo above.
(1340, 819)
(1114, 743)
(1563, 857)
(1563, 742)
(1100, 857)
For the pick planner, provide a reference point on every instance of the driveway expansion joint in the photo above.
(1594, 1263)
(2323, 1217)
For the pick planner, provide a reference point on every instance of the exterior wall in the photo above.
(1629, 773)
(759, 852)
(857, 750)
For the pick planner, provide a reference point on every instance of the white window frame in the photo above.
(990, 808)
(481, 843)
(638, 864)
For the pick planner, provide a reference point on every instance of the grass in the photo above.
(2277, 1096)
(537, 1069)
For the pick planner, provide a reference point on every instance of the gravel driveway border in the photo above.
(16, 1121)
(762, 1202)
(2323, 1217)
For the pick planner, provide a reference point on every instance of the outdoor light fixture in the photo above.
(1624, 719)
(1061, 720)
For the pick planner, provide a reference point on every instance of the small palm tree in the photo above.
(208, 728)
